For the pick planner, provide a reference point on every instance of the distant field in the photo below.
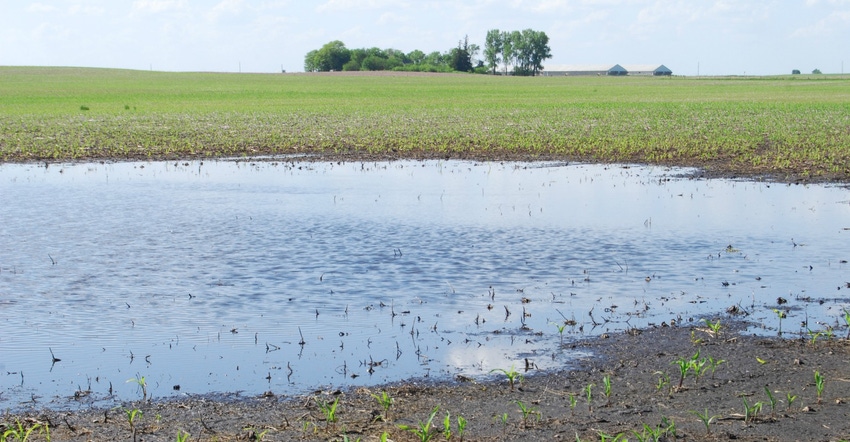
(788, 126)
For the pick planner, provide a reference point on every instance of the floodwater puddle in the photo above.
(241, 276)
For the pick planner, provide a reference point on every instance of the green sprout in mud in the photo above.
(447, 426)
(328, 409)
(461, 427)
(771, 399)
(21, 433)
(182, 436)
(781, 315)
(713, 364)
(820, 384)
(588, 393)
(512, 375)
(789, 399)
(527, 411)
(706, 419)
(573, 402)
(133, 414)
(663, 380)
(714, 327)
(751, 411)
(422, 430)
(649, 434)
(140, 381)
(604, 437)
(606, 390)
(253, 434)
(813, 335)
(684, 366)
(561, 328)
(385, 401)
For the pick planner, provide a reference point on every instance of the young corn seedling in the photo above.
(820, 384)
(133, 414)
(512, 375)
(789, 399)
(714, 327)
(328, 409)
(706, 419)
(385, 401)
(713, 364)
(663, 380)
(21, 433)
(772, 400)
(526, 412)
(142, 383)
(813, 336)
(606, 390)
(461, 427)
(447, 426)
(182, 436)
(422, 430)
(605, 437)
(648, 434)
(780, 314)
(588, 392)
(751, 411)
(684, 366)
(573, 402)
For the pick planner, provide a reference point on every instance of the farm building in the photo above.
(605, 69)
(648, 69)
(585, 69)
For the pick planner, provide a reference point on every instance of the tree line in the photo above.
(524, 51)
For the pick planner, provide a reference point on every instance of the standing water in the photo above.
(229, 276)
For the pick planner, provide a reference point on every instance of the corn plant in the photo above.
(512, 375)
(706, 419)
(447, 426)
(751, 411)
(461, 427)
(847, 322)
(771, 399)
(604, 437)
(133, 414)
(385, 401)
(422, 430)
(328, 409)
(789, 399)
(820, 384)
(606, 390)
(684, 366)
(588, 392)
(182, 436)
(781, 315)
(714, 327)
(526, 412)
(21, 433)
(573, 402)
(140, 381)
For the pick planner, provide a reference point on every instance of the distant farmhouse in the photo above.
(607, 69)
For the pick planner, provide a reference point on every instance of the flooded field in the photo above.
(205, 277)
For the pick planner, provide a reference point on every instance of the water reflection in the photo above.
(211, 275)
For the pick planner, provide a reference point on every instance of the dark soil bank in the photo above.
(642, 403)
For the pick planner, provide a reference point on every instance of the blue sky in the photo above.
(754, 37)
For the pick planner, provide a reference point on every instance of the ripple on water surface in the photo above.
(210, 275)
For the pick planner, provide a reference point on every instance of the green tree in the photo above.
(460, 57)
(331, 57)
(493, 49)
(416, 56)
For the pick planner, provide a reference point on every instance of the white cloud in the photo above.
(835, 22)
(158, 6)
(40, 8)
(345, 5)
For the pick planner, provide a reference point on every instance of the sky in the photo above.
(691, 37)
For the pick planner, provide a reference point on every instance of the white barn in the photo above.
(583, 69)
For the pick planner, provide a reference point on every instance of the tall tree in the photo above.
(461, 60)
(331, 57)
(493, 49)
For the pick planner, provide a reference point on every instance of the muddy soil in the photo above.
(642, 399)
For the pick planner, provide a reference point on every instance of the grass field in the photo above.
(791, 127)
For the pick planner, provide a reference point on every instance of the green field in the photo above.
(787, 126)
